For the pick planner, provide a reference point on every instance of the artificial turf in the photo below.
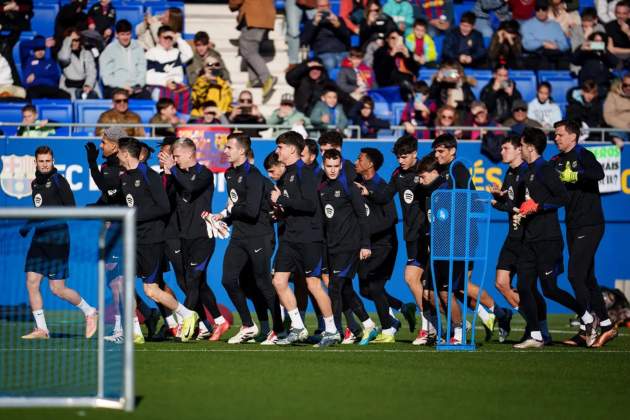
(203, 380)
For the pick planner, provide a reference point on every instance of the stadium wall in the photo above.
(18, 168)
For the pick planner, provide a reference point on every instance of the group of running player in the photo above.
(333, 221)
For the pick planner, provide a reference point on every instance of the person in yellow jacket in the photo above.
(209, 86)
(421, 44)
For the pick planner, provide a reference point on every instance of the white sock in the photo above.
(391, 312)
(40, 320)
(202, 327)
(389, 331)
(368, 323)
(296, 319)
(330, 324)
(515, 308)
(587, 318)
(605, 323)
(425, 322)
(264, 326)
(136, 326)
(219, 320)
(183, 311)
(118, 324)
(491, 309)
(536, 335)
(483, 314)
(458, 333)
(582, 327)
(171, 322)
(86, 308)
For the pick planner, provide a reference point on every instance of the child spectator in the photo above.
(328, 112)
(210, 115)
(32, 126)
(363, 116)
(166, 114)
(421, 44)
(355, 78)
(542, 108)
(287, 115)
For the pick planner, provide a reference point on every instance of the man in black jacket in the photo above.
(500, 93)
(327, 35)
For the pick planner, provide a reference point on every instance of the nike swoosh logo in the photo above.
(193, 264)
(177, 251)
(581, 237)
(548, 272)
(308, 272)
(336, 271)
(256, 251)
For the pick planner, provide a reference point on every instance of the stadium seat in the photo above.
(143, 107)
(389, 93)
(335, 6)
(525, 83)
(333, 73)
(482, 77)
(43, 21)
(279, 5)
(87, 111)
(57, 110)
(561, 82)
(438, 40)
(459, 10)
(426, 75)
(381, 107)
(10, 112)
(134, 13)
(397, 109)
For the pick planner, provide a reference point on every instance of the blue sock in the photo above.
(544, 330)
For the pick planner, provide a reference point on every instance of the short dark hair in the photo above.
(622, 3)
(545, 84)
(405, 144)
(292, 138)
(541, 5)
(123, 25)
(329, 87)
(206, 104)
(572, 127)
(149, 149)
(43, 150)
(120, 91)
(164, 103)
(29, 107)
(356, 52)
(589, 85)
(499, 67)
(131, 145)
(512, 138)
(468, 17)
(535, 137)
(243, 140)
(445, 140)
(164, 28)
(202, 37)
(271, 160)
(421, 87)
(428, 163)
(311, 145)
(332, 154)
(366, 100)
(334, 138)
(375, 156)
(420, 22)
(589, 13)
(167, 141)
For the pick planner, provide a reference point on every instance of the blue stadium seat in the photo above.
(134, 13)
(525, 83)
(397, 109)
(482, 77)
(389, 93)
(58, 110)
(87, 111)
(426, 75)
(143, 107)
(279, 5)
(381, 107)
(438, 40)
(561, 82)
(43, 21)
(11, 112)
(335, 6)
(333, 73)
(459, 10)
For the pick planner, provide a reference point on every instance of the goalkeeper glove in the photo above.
(91, 151)
(528, 207)
(568, 175)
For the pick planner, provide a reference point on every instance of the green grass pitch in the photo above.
(177, 381)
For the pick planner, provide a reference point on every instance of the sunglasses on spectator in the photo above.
(213, 65)
(447, 117)
(168, 37)
(520, 110)
(625, 85)
(245, 100)
(121, 101)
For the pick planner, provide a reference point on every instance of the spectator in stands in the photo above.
(588, 25)
(247, 112)
(123, 65)
(490, 139)
(327, 35)
(394, 64)
(32, 126)
(506, 47)
(210, 115)
(71, 15)
(499, 94)
(401, 13)
(544, 41)
(569, 20)
(328, 111)
(439, 14)
(585, 105)
(255, 19)
(352, 12)
(465, 44)
(165, 68)
(15, 17)
(522, 10)
(484, 9)
(41, 74)
(421, 45)
(606, 10)
(294, 14)
(375, 24)
(363, 116)
(618, 32)
(78, 76)
(209, 86)
(595, 61)
(519, 119)
(287, 115)
(147, 30)
(120, 114)
(617, 109)
(102, 18)
(8, 88)
(450, 86)
(418, 110)
(166, 114)
(308, 79)
(203, 49)
(447, 117)
(355, 78)
(542, 108)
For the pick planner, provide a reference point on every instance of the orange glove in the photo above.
(528, 207)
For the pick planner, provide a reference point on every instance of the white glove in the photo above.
(216, 229)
